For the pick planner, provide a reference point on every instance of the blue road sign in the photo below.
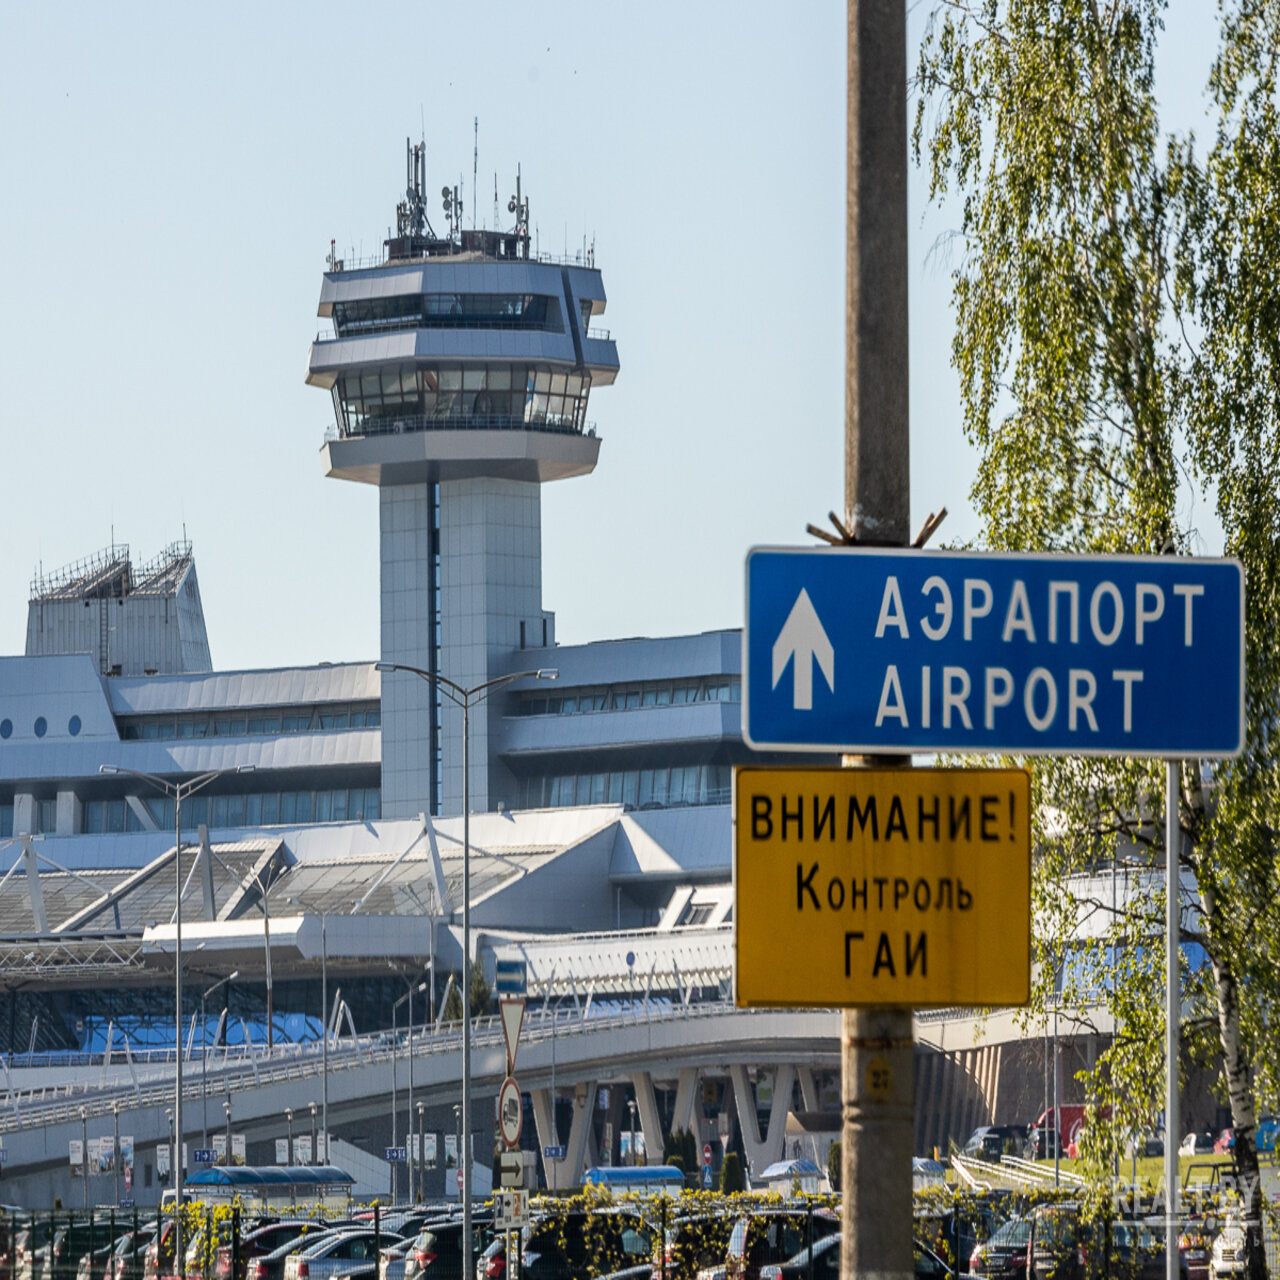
(204, 1155)
(882, 650)
(394, 1155)
(553, 1153)
(706, 1175)
(511, 977)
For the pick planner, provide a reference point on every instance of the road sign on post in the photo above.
(510, 977)
(888, 650)
(510, 1112)
(905, 887)
(512, 1013)
(706, 1153)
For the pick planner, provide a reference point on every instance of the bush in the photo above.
(732, 1178)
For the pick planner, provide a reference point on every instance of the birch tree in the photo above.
(1117, 338)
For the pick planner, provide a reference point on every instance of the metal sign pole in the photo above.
(1173, 1011)
(877, 1044)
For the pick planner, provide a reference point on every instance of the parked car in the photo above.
(130, 1253)
(821, 1261)
(991, 1141)
(492, 1264)
(71, 1242)
(825, 1255)
(1195, 1243)
(435, 1253)
(1042, 1143)
(263, 1240)
(27, 1243)
(691, 1245)
(769, 1237)
(1145, 1144)
(1227, 1257)
(331, 1254)
(270, 1266)
(563, 1246)
(1064, 1247)
(1197, 1144)
(1003, 1255)
(1265, 1135)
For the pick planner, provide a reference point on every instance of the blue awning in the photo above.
(270, 1175)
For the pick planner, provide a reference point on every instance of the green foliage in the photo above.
(732, 1178)
(481, 996)
(835, 1163)
(452, 1011)
(1117, 300)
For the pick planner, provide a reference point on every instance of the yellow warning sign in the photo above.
(882, 886)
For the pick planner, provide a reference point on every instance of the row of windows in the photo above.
(266, 722)
(640, 788)
(449, 310)
(628, 697)
(258, 809)
(521, 392)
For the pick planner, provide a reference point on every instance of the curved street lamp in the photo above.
(179, 791)
(466, 699)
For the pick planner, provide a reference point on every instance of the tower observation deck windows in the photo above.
(449, 311)
(474, 397)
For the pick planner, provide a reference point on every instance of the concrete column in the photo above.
(686, 1096)
(650, 1124)
(555, 1171)
(69, 813)
(24, 814)
(765, 1150)
(579, 1144)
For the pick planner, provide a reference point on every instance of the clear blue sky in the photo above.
(173, 175)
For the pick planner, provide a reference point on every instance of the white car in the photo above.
(1228, 1249)
(335, 1253)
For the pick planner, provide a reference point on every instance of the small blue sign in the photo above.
(394, 1155)
(511, 977)
(885, 650)
(554, 1153)
(127, 1204)
(706, 1175)
(204, 1155)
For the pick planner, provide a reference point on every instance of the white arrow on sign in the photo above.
(803, 639)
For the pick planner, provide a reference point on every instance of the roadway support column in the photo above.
(876, 1044)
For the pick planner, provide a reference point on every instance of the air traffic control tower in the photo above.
(460, 368)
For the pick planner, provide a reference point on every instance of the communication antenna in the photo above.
(496, 214)
(519, 205)
(411, 212)
(475, 174)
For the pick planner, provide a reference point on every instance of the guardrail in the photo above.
(55, 1104)
(410, 424)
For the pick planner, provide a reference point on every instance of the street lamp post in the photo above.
(422, 1156)
(324, 1019)
(115, 1154)
(288, 1120)
(226, 1106)
(204, 1052)
(466, 699)
(84, 1154)
(315, 1151)
(631, 1105)
(179, 791)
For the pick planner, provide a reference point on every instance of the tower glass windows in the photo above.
(431, 397)
(449, 311)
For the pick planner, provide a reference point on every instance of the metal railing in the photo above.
(474, 422)
(54, 1104)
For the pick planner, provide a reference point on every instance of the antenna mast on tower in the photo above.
(475, 175)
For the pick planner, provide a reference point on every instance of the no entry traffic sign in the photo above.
(894, 650)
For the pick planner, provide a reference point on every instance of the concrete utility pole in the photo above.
(876, 1044)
